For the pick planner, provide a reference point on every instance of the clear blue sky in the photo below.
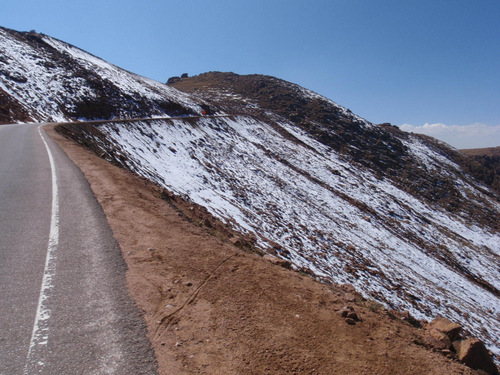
(405, 62)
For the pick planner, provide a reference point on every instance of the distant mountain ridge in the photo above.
(484, 163)
(487, 151)
(397, 215)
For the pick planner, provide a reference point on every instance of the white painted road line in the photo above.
(64, 307)
(40, 334)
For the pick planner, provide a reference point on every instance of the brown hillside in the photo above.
(488, 151)
(484, 163)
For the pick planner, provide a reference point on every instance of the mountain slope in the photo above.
(324, 212)
(382, 149)
(394, 214)
(215, 309)
(43, 79)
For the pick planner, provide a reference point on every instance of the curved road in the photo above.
(64, 306)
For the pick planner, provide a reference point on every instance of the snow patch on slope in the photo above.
(31, 82)
(50, 78)
(128, 82)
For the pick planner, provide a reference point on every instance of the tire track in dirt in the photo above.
(166, 321)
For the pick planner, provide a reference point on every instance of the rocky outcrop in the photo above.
(474, 354)
(445, 326)
(437, 339)
(444, 335)
(351, 317)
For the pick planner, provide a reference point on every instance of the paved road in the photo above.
(64, 307)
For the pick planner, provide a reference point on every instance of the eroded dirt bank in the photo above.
(212, 308)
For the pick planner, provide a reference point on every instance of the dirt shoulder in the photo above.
(212, 308)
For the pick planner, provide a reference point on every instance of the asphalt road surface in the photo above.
(64, 306)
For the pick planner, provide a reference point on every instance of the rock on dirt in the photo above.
(437, 339)
(351, 317)
(444, 335)
(278, 261)
(474, 354)
(407, 317)
(450, 329)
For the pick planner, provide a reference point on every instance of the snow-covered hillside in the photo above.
(343, 222)
(45, 79)
(393, 213)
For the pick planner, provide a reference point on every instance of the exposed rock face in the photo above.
(172, 80)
